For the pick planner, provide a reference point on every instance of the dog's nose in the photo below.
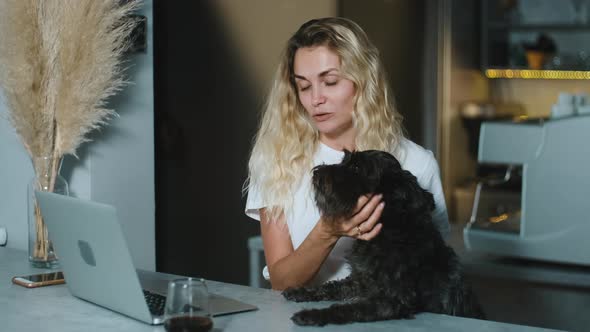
(318, 169)
(319, 176)
(316, 176)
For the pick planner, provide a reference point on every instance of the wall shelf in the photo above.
(538, 27)
(509, 39)
(537, 74)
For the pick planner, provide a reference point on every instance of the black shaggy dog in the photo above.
(406, 269)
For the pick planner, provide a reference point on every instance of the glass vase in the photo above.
(46, 178)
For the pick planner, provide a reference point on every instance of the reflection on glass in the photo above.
(497, 203)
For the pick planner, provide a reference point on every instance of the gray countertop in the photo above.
(52, 309)
(491, 265)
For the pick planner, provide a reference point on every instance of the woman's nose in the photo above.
(317, 97)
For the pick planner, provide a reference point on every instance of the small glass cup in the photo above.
(187, 306)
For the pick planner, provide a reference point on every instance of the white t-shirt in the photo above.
(304, 214)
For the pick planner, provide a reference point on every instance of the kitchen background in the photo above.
(179, 192)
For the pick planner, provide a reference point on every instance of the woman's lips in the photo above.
(322, 117)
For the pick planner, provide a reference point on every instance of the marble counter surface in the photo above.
(52, 309)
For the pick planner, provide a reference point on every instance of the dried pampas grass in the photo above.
(60, 60)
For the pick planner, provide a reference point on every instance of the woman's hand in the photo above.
(363, 223)
(292, 268)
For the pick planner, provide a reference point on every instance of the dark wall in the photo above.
(397, 29)
(466, 33)
(205, 117)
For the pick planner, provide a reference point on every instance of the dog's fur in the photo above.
(406, 269)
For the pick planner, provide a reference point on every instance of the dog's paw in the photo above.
(311, 317)
(296, 294)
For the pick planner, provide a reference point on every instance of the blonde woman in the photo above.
(329, 94)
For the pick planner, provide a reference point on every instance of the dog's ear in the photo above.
(346, 157)
(405, 193)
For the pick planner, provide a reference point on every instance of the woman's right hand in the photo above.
(362, 224)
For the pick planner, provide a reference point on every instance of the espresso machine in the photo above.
(539, 208)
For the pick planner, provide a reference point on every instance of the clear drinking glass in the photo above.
(187, 306)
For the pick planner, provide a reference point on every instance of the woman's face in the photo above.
(327, 97)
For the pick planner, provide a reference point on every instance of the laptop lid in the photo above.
(93, 253)
(96, 261)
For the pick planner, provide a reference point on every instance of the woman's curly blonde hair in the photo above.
(287, 139)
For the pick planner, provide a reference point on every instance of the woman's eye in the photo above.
(330, 83)
(303, 88)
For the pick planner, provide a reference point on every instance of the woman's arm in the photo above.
(291, 268)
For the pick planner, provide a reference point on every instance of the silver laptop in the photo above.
(97, 265)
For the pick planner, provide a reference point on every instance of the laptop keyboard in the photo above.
(155, 302)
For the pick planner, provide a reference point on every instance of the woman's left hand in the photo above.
(362, 224)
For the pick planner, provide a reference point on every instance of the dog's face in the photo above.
(338, 187)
